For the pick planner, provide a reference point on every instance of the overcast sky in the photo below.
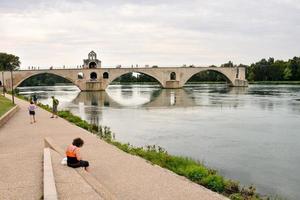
(165, 33)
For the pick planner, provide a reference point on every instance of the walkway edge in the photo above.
(50, 192)
(8, 115)
(94, 183)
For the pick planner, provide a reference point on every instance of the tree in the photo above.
(9, 62)
(229, 64)
(294, 65)
(287, 73)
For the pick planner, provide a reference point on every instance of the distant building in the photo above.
(92, 61)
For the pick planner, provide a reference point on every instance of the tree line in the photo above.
(271, 70)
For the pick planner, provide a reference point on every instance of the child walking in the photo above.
(31, 108)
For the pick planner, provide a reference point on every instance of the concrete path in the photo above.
(126, 176)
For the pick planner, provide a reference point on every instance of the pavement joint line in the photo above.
(50, 192)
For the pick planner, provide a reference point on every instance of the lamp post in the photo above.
(3, 88)
(12, 86)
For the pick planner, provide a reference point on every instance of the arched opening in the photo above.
(45, 85)
(80, 75)
(105, 75)
(44, 79)
(0, 83)
(93, 76)
(135, 78)
(173, 76)
(92, 65)
(208, 77)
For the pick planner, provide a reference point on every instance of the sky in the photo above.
(164, 33)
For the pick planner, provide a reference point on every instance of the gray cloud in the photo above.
(61, 32)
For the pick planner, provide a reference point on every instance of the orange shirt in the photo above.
(73, 152)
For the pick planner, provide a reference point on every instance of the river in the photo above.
(249, 134)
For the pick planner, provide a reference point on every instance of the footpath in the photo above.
(127, 177)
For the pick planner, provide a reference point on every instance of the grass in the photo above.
(187, 167)
(5, 105)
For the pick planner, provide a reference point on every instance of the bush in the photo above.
(196, 173)
(236, 196)
(214, 182)
(231, 187)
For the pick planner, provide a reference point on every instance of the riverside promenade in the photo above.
(127, 177)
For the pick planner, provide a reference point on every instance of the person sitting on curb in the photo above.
(55, 103)
(31, 108)
(73, 155)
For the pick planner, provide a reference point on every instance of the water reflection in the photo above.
(154, 99)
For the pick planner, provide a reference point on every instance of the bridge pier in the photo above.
(92, 86)
(172, 84)
(239, 83)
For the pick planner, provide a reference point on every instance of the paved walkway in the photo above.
(126, 176)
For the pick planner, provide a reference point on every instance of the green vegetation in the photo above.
(271, 70)
(44, 80)
(275, 82)
(5, 105)
(9, 62)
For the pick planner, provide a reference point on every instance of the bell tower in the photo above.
(92, 61)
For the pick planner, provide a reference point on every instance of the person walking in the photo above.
(55, 103)
(34, 98)
(31, 108)
(74, 158)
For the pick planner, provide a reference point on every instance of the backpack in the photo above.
(56, 102)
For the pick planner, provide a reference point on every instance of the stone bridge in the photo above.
(96, 79)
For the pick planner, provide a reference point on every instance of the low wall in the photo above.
(8, 115)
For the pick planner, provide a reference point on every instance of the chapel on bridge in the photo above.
(92, 61)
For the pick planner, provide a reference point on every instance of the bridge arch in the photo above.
(226, 76)
(19, 81)
(112, 78)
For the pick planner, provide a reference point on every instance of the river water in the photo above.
(249, 134)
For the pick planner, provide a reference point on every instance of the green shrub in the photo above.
(196, 173)
(231, 187)
(214, 182)
(236, 196)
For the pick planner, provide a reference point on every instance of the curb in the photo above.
(50, 192)
(8, 115)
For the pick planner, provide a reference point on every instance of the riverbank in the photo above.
(136, 179)
(5, 105)
(191, 169)
(275, 82)
(215, 82)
